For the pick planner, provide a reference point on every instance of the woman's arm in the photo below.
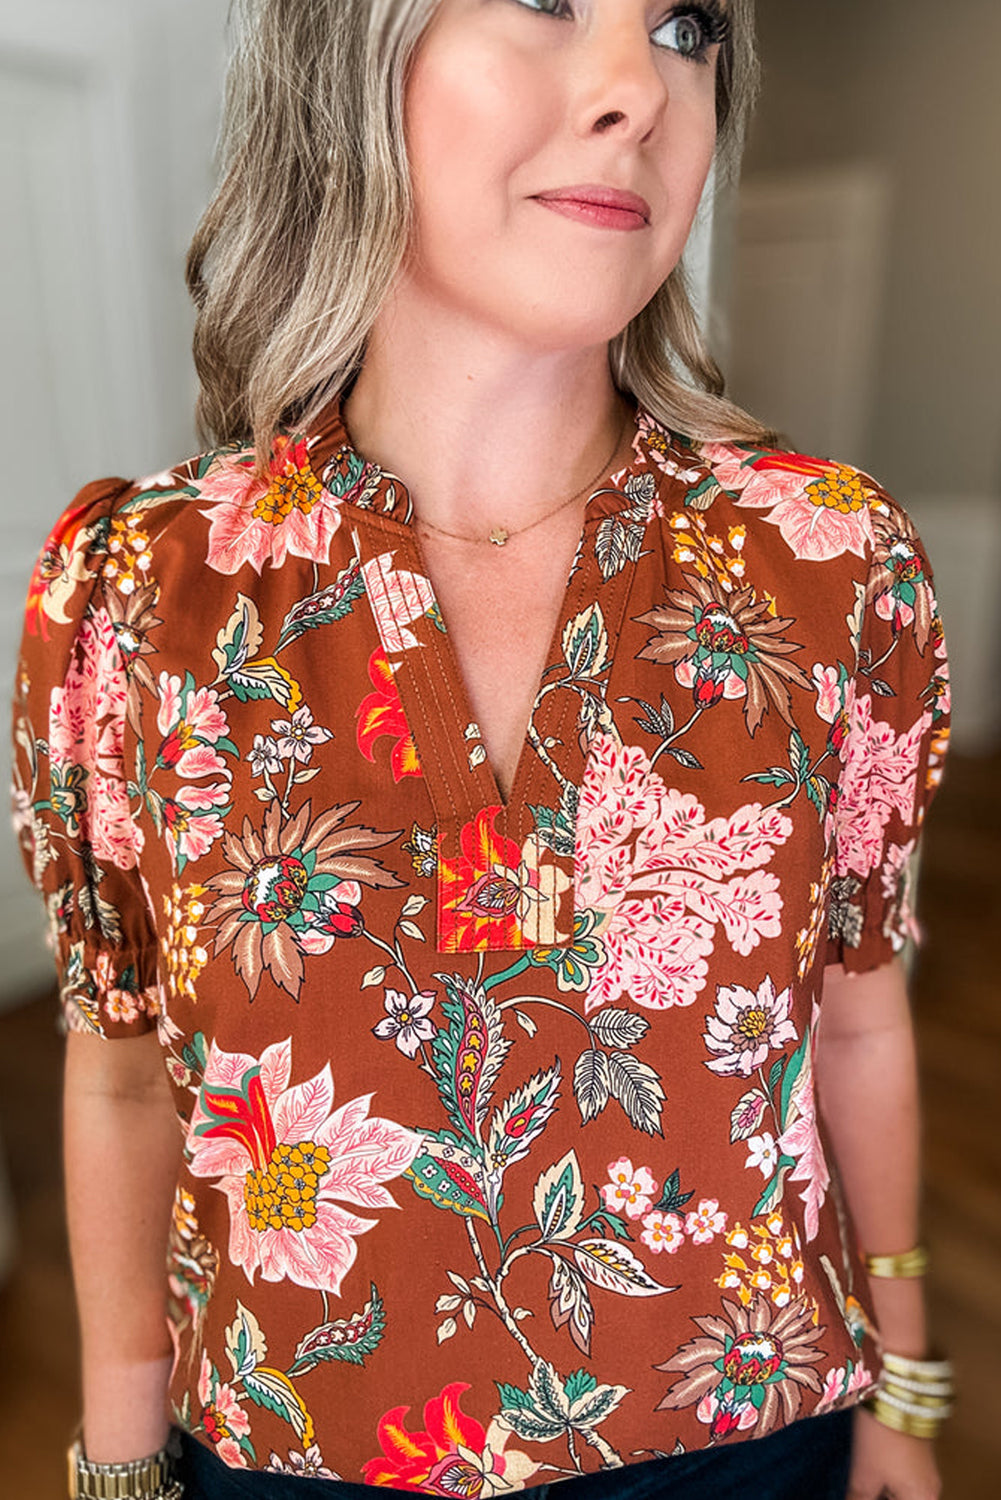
(122, 1149)
(867, 1086)
(868, 1092)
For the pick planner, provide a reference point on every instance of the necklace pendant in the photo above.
(499, 536)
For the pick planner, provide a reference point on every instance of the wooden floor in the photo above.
(957, 999)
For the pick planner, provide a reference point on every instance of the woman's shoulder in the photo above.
(820, 509)
(218, 509)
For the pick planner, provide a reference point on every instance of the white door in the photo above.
(108, 114)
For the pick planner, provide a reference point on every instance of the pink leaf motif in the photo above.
(748, 908)
(301, 1111)
(276, 1069)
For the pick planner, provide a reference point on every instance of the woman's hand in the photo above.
(891, 1464)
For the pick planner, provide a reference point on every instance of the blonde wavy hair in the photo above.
(312, 219)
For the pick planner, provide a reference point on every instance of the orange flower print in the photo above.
(491, 893)
(381, 713)
(453, 1456)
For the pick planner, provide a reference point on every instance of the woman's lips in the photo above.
(607, 208)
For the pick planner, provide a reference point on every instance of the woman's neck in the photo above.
(455, 417)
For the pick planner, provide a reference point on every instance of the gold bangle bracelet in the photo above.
(907, 1264)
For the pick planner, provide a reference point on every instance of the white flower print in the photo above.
(298, 735)
(763, 1154)
(407, 1022)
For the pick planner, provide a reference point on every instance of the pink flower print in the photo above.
(298, 735)
(835, 699)
(663, 1232)
(195, 733)
(843, 1382)
(398, 598)
(222, 1419)
(630, 1191)
(705, 1223)
(192, 831)
(257, 520)
(735, 1416)
(879, 777)
(336, 915)
(664, 880)
(192, 723)
(827, 681)
(407, 1022)
(119, 1005)
(283, 1157)
(746, 1026)
(822, 509)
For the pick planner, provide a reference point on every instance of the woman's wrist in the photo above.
(125, 1409)
(900, 1314)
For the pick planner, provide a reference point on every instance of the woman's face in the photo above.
(508, 100)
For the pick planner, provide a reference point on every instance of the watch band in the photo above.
(146, 1479)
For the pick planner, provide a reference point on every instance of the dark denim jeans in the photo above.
(807, 1461)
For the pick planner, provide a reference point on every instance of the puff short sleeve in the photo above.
(71, 803)
(894, 733)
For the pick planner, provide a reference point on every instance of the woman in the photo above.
(497, 972)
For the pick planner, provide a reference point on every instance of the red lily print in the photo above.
(381, 713)
(454, 1456)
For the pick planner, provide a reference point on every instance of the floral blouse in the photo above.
(502, 1160)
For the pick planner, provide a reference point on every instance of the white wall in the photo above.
(910, 87)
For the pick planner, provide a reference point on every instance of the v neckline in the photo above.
(487, 843)
(574, 589)
(380, 492)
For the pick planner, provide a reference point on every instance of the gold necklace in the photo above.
(501, 535)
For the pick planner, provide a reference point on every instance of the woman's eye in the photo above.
(544, 7)
(689, 36)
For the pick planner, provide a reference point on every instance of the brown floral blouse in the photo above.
(502, 1161)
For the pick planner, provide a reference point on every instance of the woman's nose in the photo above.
(618, 81)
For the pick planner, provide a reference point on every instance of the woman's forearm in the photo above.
(122, 1149)
(868, 1090)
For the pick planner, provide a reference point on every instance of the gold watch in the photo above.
(147, 1479)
